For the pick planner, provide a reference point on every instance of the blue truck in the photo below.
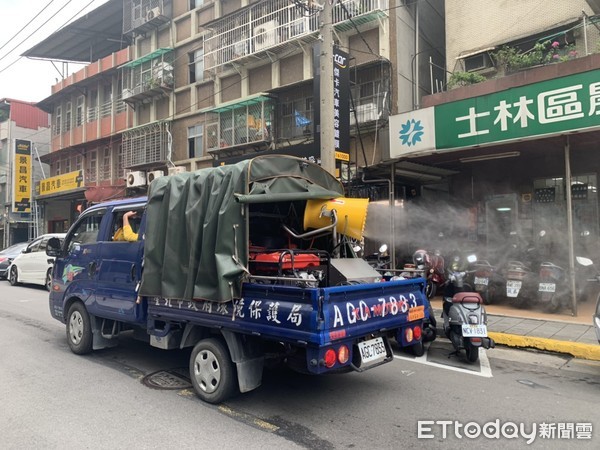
(244, 264)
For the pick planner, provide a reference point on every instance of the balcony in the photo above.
(276, 27)
(148, 77)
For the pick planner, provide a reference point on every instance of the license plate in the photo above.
(513, 287)
(372, 351)
(481, 280)
(416, 313)
(547, 287)
(474, 330)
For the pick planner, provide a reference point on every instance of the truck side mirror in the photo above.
(53, 247)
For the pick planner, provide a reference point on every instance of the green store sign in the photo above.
(547, 108)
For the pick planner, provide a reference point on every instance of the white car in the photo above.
(32, 265)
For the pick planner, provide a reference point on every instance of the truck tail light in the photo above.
(343, 354)
(330, 358)
(408, 334)
(417, 332)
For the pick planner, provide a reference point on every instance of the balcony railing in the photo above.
(149, 76)
(273, 27)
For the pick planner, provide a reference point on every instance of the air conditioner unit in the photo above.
(135, 178)
(153, 13)
(127, 93)
(154, 174)
(177, 169)
(265, 35)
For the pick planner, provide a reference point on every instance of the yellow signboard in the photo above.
(341, 156)
(61, 183)
(22, 177)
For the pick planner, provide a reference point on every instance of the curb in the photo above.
(576, 349)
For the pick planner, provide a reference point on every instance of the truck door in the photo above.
(78, 269)
(119, 272)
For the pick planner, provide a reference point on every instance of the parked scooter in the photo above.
(465, 319)
(488, 281)
(432, 266)
(521, 279)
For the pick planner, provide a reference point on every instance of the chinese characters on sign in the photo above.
(341, 111)
(548, 108)
(545, 108)
(22, 177)
(61, 183)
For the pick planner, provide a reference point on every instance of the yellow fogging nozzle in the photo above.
(351, 214)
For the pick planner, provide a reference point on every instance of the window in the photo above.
(196, 65)
(196, 4)
(85, 232)
(105, 169)
(67, 165)
(57, 167)
(79, 111)
(58, 120)
(69, 111)
(92, 171)
(78, 162)
(195, 136)
(478, 62)
(119, 167)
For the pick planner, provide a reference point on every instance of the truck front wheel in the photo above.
(212, 372)
(79, 329)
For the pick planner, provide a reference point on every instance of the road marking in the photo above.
(484, 362)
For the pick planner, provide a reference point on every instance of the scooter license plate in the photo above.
(547, 287)
(372, 351)
(513, 287)
(474, 330)
(482, 281)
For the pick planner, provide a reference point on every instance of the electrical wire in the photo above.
(27, 24)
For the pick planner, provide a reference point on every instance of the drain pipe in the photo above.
(391, 203)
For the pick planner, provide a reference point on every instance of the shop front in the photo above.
(524, 186)
(62, 198)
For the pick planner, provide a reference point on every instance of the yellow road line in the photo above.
(248, 418)
(576, 349)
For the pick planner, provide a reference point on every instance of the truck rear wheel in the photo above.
(212, 371)
(79, 329)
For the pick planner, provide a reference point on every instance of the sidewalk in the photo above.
(528, 328)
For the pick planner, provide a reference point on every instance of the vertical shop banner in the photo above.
(341, 108)
(22, 177)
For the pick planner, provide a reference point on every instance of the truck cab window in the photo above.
(85, 232)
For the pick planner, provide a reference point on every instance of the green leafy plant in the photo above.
(546, 52)
(464, 79)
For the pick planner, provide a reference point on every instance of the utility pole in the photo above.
(326, 88)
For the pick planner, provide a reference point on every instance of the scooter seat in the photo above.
(467, 297)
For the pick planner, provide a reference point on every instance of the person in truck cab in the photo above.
(125, 232)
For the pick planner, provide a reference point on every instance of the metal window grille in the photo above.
(147, 144)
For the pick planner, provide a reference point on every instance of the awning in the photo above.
(476, 52)
(234, 104)
(149, 57)
(89, 38)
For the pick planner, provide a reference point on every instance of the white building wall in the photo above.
(477, 24)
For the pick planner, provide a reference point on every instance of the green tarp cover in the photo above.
(196, 223)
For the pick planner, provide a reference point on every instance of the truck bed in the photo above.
(309, 316)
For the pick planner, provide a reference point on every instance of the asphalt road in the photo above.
(52, 398)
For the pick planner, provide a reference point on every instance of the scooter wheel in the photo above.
(472, 352)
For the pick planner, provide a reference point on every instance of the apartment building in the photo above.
(24, 140)
(185, 84)
(517, 126)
